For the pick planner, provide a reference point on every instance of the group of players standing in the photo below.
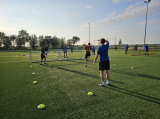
(136, 49)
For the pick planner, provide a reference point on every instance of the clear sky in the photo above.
(123, 19)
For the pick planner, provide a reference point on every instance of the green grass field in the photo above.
(63, 87)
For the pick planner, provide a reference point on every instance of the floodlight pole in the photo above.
(89, 32)
(146, 20)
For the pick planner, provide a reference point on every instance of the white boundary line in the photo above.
(14, 61)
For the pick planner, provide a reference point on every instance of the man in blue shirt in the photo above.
(65, 51)
(146, 49)
(104, 63)
(126, 48)
(136, 48)
(71, 49)
(93, 50)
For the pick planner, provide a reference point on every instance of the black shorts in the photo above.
(42, 56)
(126, 49)
(64, 52)
(135, 49)
(104, 65)
(86, 56)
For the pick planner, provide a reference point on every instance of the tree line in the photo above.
(23, 37)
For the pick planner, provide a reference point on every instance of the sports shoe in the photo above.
(101, 85)
(86, 66)
(40, 64)
(45, 63)
(108, 84)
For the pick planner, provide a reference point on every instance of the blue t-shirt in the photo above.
(136, 46)
(146, 48)
(64, 49)
(126, 47)
(93, 49)
(103, 52)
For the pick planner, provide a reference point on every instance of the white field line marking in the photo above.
(14, 61)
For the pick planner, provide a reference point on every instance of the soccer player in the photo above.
(104, 63)
(43, 55)
(71, 49)
(87, 55)
(126, 49)
(65, 51)
(93, 50)
(146, 49)
(115, 48)
(46, 51)
(135, 48)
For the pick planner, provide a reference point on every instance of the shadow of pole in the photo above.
(138, 95)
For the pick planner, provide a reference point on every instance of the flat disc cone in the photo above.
(114, 64)
(31, 66)
(90, 93)
(131, 67)
(34, 81)
(33, 73)
(41, 106)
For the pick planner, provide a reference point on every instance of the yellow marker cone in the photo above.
(31, 66)
(33, 73)
(114, 64)
(90, 93)
(132, 68)
(41, 106)
(35, 82)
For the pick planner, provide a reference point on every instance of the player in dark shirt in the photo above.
(115, 48)
(71, 49)
(146, 49)
(135, 48)
(88, 49)
(126, 49)
(93, 50)
(46, 51)
(65, 51)
(43, 55)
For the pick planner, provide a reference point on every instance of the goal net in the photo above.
(35, 56)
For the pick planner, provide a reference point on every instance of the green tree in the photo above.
(41, 41)
(6, 42)
(54, 41)
(62, 42)
(120, 41)
(2, 35)
(33, 41)
(69, 43)
(13, 39)
(48, 40)
(22, 38)
(75, 39)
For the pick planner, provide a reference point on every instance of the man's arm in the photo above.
(95, 59)
(106, 41)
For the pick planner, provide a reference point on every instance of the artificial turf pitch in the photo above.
(63, 87)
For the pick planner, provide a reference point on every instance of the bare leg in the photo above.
(107, 76)
(86, 61)
(102, 76)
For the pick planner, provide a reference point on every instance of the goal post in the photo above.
(35, 56)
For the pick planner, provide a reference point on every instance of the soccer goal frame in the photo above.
(58, 56)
